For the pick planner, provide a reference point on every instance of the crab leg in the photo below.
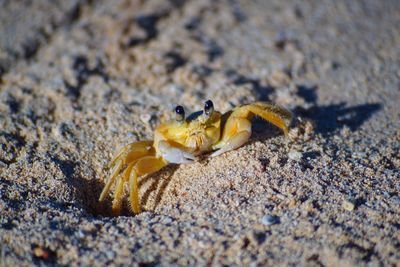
(118, 193)
(145, 165)
(133, 149)
(236, 133)
(274, 114)
(116, 169)
(237, 128)
(127, 155)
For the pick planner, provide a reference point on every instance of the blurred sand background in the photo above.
(80, 79)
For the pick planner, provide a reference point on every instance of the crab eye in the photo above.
(208, 107)
(179, 114)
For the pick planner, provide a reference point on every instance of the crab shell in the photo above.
(180, 142)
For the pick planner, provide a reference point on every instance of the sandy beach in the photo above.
(81, 79)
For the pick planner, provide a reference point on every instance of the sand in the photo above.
(81, 79)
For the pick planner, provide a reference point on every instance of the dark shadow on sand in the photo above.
(88, 191)
(157, 183)
(329, 118)
(333, 117)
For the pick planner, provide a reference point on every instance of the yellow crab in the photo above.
(182, 140)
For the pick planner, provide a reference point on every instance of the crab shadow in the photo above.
(152, 188)
(332, 117)
(262, 130)
(86, 185)
(329, 118)
(157, 184)
(86, 191)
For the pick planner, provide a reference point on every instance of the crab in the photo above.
(182, 140)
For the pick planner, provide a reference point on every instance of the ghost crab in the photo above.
(182, 140)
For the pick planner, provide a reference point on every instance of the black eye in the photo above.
(208, 107)
(179, 113)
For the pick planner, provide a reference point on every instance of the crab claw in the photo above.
(173, 154)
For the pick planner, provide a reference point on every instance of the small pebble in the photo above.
(167, 220)
(348, 205)
(40, 252)
(145, 118)
(81, 234)
(2, 164)
(110, 255)
(270, 220)
(309, 127)
(130, 135)
(279, 78)
(295, 155)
